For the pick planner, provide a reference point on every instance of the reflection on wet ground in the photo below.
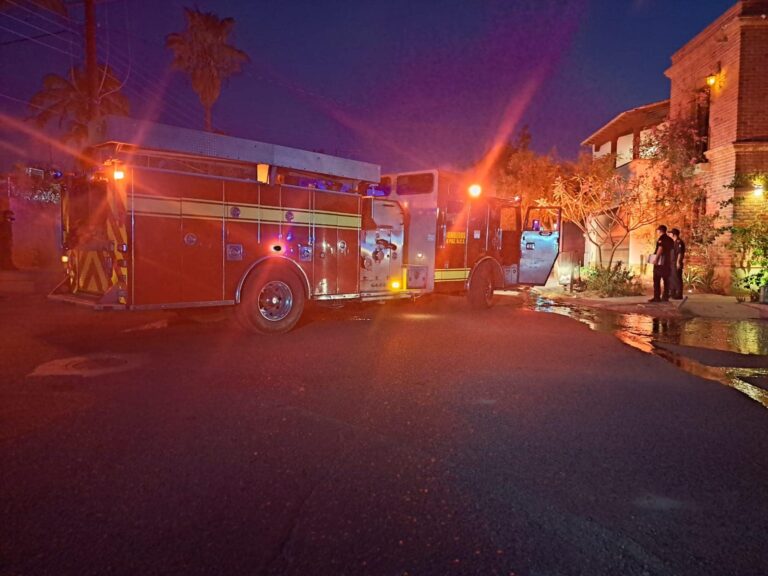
(665, 336)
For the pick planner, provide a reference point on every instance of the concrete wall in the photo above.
(36, 236)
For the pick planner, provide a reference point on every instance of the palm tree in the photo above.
(57, 6)
(65, 99)
(202, 52)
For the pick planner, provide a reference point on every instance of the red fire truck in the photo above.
(174, 218)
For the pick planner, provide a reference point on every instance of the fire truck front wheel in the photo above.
(480, 292)
(272, 301)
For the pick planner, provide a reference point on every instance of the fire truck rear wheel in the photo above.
(272, 301)
(481, 288)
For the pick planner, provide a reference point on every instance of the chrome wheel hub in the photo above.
(275, 300)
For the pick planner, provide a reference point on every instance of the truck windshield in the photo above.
(410, 184)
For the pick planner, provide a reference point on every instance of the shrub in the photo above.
(615, 281)
(709, 282)
(691, 277)
(702, 279)
(753, 282)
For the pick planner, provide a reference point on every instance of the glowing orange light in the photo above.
(475, 190)
(64, 258)
(711, 80)
(119, 174)
(395, 284)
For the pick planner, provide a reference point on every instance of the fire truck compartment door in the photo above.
(335, 260)
(200, 244)
(91, 231)
(326, 263)
(381, 247)
(539, 244)
(177, 240)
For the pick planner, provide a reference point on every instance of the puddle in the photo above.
(746, 337)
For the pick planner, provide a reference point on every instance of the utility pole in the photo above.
(91, 69)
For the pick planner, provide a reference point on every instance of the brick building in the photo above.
(720, 78)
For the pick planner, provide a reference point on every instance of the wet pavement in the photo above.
(408, 438)
(732, 352)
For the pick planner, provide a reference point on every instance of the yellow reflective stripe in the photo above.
(206, 209)
(270, 215)
(117, 255)
(202, 209)
(117, 234)
(451, 274)
(246, 212)
(92, 277)
(333, 220)
(157, 205)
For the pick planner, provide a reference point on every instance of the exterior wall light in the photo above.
(475, 190)
(758, 189)
(711, 80)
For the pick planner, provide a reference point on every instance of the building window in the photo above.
(701, 115)
(625, 146)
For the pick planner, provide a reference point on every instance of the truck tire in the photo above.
(272, 300)
(480, 294)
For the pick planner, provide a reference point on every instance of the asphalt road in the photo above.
(419, 439)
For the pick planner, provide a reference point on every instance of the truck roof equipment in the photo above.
(153, 136)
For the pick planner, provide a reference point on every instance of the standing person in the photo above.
(678, 260)
(662, 265)
(6, 240)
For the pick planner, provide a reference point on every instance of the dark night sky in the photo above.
(404, 83)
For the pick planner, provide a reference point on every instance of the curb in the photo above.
(762, 308)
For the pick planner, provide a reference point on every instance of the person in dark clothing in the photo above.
(662, 265)
(6, 240)
(678, 261)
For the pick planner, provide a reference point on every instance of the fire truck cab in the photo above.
(458, 239)
(177, 218)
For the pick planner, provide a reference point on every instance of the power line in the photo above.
(19, 100)
(32, 39)
(24, 22)
(38, 14)
(19, 40)
(182, 110)
(186, 116)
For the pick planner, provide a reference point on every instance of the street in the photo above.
(407, 438)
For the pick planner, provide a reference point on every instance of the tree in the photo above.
(89, 43)
(608, 205)
(202, 52)
(522, 172)
(586, 194)
(65, 100)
